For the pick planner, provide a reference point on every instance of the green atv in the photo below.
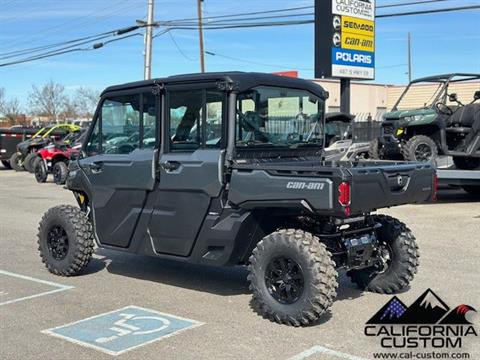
(442, 124)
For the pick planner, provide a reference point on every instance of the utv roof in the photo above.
(241, 80)
(448, 77)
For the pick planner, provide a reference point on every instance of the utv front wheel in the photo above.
(398, 252)
(16, 162)
(60, 172)
(65, 240)
(420, 148)
(29, 162)
(293, 277)
(40, 172)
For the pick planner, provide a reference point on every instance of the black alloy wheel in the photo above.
(57, 242)
(423, 152)
(284, 280)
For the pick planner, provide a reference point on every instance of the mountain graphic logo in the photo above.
(429, 308)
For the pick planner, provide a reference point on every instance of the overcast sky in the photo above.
(442, 43)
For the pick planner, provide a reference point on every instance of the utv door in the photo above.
(188, 167)
(120, 163)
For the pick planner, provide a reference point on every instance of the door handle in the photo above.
(96, 166)
(170, 165)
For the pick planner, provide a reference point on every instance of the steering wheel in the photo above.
(443, 108)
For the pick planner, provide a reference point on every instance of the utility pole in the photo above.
(148, 41)
(200, 35)
(409, 58)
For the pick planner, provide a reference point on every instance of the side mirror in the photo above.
(74, 155)
(476, 96)
(453, 97)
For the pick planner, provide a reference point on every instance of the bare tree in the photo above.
(2, 100)
(70, 109)
(49, 100)
(86, 101)
(12, 111)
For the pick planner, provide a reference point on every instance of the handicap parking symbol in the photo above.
(122, 330)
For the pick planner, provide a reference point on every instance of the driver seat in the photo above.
(462, 120)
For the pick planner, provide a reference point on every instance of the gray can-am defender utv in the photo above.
(227, 169)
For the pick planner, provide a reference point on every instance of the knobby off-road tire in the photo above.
(29, 162)
(65, 240)
(420, 148)
(16, 162)
(316, 266)
(60, 173)
(403, 264)
(40, 172)
(373, 152)
(6, 164)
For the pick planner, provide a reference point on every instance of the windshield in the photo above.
(419, 96)
(279, 117)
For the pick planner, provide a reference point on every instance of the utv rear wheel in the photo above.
(373, 152)
(6, 164)
(16, 162)
(420, 148)
(292, 277)
(40, 172)
(28, 162)
(60, 172)
(466, 163)
(65, 240)
(399, 253)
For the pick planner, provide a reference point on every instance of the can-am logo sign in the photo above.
(364, 9)
(428, 323)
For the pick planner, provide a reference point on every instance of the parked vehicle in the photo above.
(246, 192)
(26, 150)
(54, 158)
(444, 125)
(9, 138)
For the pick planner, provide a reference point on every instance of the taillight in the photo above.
(435, 187)
(344, 194)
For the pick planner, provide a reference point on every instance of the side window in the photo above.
(149, 118)
(93, 146)
(120, 124)
(196, 119)
(185, 120)
(214, 117)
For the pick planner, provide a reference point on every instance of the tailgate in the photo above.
(380, 186)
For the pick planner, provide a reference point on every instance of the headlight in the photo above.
(413, 118)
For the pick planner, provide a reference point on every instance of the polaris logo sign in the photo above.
(354, 58)
(301, 185)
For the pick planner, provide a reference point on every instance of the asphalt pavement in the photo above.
(211, 306)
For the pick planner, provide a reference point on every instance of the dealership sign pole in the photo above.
(345, 43)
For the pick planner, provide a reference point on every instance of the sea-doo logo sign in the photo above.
(428, 323)
(301, 185)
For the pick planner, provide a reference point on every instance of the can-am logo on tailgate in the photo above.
(301, 185)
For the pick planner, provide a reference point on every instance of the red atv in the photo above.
(54, 159)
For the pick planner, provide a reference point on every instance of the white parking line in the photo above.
(59, 287)
(323, 350)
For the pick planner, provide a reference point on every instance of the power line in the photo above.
(420, 12)
(409, 3)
